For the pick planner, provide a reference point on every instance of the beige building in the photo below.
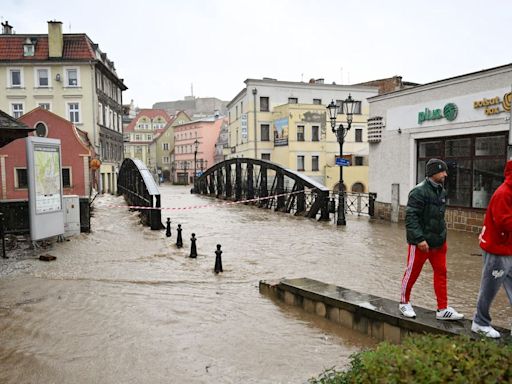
(139, 134)
(287, 123)
(161, 149)
(70, 76)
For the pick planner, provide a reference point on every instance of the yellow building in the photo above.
(288, 123)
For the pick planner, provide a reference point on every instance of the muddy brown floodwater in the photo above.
(123, 305)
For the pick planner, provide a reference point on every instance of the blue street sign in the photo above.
(343, 162)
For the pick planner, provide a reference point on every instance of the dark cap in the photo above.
(435, 166)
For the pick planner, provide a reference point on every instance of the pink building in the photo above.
(75, 150)
(194, 141)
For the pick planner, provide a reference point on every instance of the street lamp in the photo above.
(347, 108)
(196, 145)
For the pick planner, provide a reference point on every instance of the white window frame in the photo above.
(17, 111)
(9, 77)
(165, 160)
(38, 79)
(68, 111)
(317, 155)
(41, 103)
(303, 163)
(165, 146)
(67, 79)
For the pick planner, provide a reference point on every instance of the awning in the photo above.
(11, 129)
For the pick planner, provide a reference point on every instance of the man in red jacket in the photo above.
(496, 243)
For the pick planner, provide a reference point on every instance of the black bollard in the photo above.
(218, 260)
(193, 248)
(179, 241)
(168, 230)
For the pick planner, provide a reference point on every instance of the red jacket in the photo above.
(496, 235)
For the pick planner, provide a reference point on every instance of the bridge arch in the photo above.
(265, 184)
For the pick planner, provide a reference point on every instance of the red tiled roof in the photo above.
(150, 114)
(76, 47)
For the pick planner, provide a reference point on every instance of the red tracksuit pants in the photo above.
(415, 260)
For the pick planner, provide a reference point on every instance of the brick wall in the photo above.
(458, 219)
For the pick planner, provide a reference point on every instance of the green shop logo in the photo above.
(449, 112)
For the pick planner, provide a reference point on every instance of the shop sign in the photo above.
(449, 112)
(494, 105)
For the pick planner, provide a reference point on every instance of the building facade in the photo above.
(194, 148)
(161, 149)
(287, 123)
(69, 75)
(464, 120)
(141, 131)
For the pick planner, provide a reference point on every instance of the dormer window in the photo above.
(29, 47)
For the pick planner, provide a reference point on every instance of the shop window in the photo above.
(475, 166)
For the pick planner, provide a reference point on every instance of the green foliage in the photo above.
(427, 359)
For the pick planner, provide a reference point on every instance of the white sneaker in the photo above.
(448, 314)
(487, 331)
(407, 310)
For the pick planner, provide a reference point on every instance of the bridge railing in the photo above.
(360, 204)
(267, 185)
(137, 185)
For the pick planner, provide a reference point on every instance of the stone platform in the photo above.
(372, 315)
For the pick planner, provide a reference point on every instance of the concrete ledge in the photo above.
(372, 315)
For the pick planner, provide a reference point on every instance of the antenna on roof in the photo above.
(192, 89)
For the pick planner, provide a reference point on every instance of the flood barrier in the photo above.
(368, 314)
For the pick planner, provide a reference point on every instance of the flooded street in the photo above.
(123, 305)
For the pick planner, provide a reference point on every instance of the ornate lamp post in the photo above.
(196, 145)
(341, 131)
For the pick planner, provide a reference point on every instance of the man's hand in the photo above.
(423, 246)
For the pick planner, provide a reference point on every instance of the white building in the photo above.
(464, 120)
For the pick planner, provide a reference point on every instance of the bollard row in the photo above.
(193, 247)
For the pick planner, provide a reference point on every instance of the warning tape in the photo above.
(204, 205)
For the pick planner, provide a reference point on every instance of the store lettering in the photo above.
(494, 105)
(429, 115)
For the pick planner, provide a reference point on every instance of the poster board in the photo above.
(44, 174)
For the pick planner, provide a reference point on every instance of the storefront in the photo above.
(464, 120)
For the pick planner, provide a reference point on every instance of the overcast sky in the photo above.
(161, 47)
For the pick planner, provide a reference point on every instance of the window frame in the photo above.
(13, 112)
(317, 137)
(10, 72)
(303, 137)
(303, 158)
(17, 177)
(267, 136)
(358, 135)
(70, 177)
(313, 168)
(38, 78)
(67, 79)
(69, 111)
(267, 101)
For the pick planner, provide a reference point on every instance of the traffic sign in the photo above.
(342, 162)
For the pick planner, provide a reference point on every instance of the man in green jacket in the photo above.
(426, 238)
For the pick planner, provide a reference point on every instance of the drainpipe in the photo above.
(254, 93)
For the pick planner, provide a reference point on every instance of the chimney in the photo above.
(55, 39)
(6, 28)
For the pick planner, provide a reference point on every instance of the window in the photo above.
(475, 166)
(74, 112)
(359, 135)
(300, 133)
(293, 100)
(264, 104)
(241, 107)
(45, 106)
(315, 129)
(41, 130)
(66, 177)
(358, 160)
(42, 77)
(357, 108)
(165, 160)
(149, 137)
(20, 178)
(265, 132)
(165, 146)
(137, 137)
(300, 163)
(317, 101)
(17, 110)
(72, 77)
(28, 49)
(314, 163)
(15, 78)
(265, 156)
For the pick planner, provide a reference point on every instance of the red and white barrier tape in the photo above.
(205, 205)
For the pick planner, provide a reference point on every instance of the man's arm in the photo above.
(413, 213)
